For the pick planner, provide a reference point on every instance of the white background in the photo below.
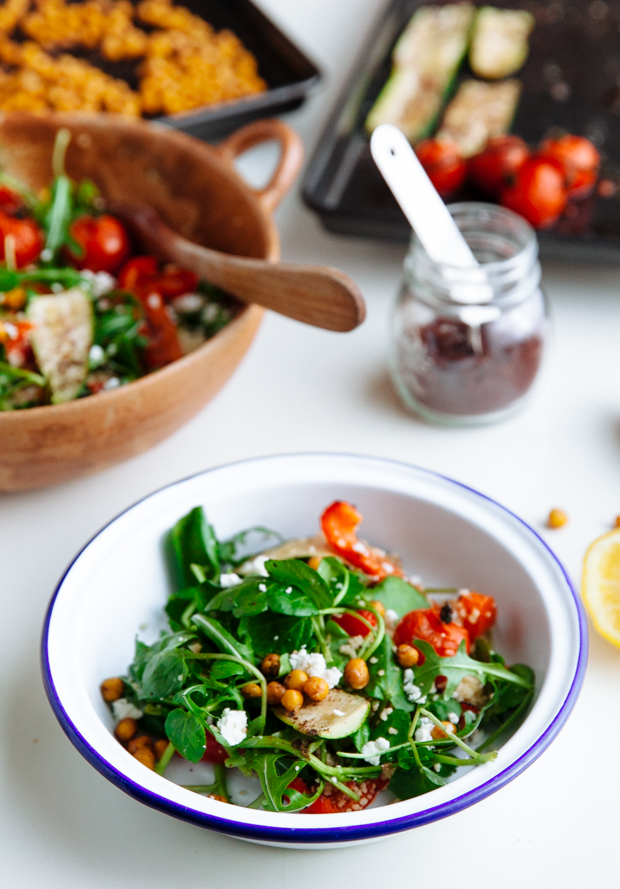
(63, 825)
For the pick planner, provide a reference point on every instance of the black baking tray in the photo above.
(571, 82)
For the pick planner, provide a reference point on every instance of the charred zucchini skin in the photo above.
(426, 60)
(499, 44)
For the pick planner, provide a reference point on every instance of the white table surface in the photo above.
(63, 826)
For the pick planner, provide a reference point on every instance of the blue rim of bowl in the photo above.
(308, 835)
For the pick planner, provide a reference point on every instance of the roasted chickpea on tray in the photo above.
(317, 667)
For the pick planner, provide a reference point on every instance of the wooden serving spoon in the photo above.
(315, 294)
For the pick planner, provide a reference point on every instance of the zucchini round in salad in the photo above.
(316, 667)
(80, 311)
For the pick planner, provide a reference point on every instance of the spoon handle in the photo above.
(319, 295)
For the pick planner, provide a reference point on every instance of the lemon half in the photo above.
(600, 586)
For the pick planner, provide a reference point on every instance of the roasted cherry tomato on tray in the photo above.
(443, 163)
(580, 160)
(538, 193)
(338, 523)
(104, 242)
(495, 167)
(426, 625)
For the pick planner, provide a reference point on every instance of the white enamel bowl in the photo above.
(447, 533)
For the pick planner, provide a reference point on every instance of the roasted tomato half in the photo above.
(495, 168)
(339, 523)
(104, 242)
(27, 239)
(539, 192)
(579, 159)
(354, 627)
(426, 624)
(477, 612)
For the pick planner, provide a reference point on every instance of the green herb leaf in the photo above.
(276, 633)
(293, 602)
(187, 734)
(386, 678)
(194, 543)
(458, 666)
(224, 640)
(399, 596)
(294, 572)
(164, 674)
(415, 781)
(394, 728)
(249, 597)
(224, 669)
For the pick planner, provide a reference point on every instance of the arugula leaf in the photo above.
(224, 640)
(386, 678)
(407, 783)
(399, 596)
(456, 667)
(225, 669)
(276, 771)
(508, 695)
(164, 674)
(276, 633)
(294, 572)
(187, 734)
(181, 605)
(193, 542)
(231, 550)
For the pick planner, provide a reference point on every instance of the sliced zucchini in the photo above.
(61, 339)
(478, 112)
(338, 716)
(298, 548)
(499, 45)
(426, 59)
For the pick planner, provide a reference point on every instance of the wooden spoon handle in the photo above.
(318, 295)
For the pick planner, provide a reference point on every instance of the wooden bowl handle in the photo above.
(291, 155)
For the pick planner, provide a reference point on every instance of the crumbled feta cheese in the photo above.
(289, 589)
(463, 592)
(210, 312)
(124, 709)
(314, 665)
(372, 750)
(352, 645)
(424, 729)
(437, 766)
(233, 726)
(112, 383)
(385, 713)
(46, 255)
(413, 692)
(380, 672)
(390, 618)
(188, 303)
(374, 660)
(96, 354)
(228, 580)
(453, 717)
(56, 287)
(100, 282)
(153, 300)
(195, 647)
(338, 712)
(257, 566)
(392, 730)
(262, 587)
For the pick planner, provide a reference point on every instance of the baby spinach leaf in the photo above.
(181, 605)
(394, 728)
(276, 633)
(294, 572)
(224, 640)
(508, 695)
(187, 734)
(407, 783)
(194, 542)
(399, 596)
(342, 582)
(386, 678)
(294, 602)
(456, 667)
(249, 597)
(442, 709)
(224, 669)
(361, 736)
(164, 674)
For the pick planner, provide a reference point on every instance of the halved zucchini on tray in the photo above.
(478, 112)
(499, 44)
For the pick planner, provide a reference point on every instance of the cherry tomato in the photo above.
(443, 163)
(27, 239)
(495, 167)
(214, 753)
(539, 193)
(337, 801)
(478, 612)
(175, 281)
(104, 242)
(15, 337)
(137, 272)
(339, 522)
(579, 159)
(10, 201)
(352, 625)
(426, 625)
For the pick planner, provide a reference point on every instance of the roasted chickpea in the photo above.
(275, 690)
(270, 665)
(441, 734)
(356, 673)
(314, 562)
(126, 729)
(112, 689)
(292, 700)
(146, 756)
(296, 679)
(557, 518)
(378, 606)
(251, 690)
(407, 655)
(316, 688)
(138, 743)
(160, 748)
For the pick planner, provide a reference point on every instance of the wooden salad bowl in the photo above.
(197, 192)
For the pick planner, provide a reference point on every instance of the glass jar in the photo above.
(467, 343)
